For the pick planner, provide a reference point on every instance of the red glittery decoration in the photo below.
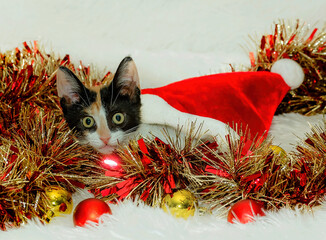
(38, 148)
(90, 210)
(305, 46)
(245, 211)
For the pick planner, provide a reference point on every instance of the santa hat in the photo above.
(248, 99)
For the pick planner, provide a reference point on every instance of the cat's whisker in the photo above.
(113, 102)
(81, 98)
(111, 97)
(132, 129)
(116, 98)
(128, 132)
(125, 134)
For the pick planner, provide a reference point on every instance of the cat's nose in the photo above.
(105, 140)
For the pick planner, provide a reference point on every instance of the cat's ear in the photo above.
(126, 78)
(68, 85)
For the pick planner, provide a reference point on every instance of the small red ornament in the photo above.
(90, 210)
(245, 210)
(111, 162)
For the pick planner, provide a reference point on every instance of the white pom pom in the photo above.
(291, 72)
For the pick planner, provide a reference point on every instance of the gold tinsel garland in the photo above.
(306, 46)
(220, 175)
(37, 150)
(253, 170)
(41, 153)
(150, 169)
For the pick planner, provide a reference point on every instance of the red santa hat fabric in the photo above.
(242, 98)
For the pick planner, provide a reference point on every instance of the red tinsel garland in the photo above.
(307, 47)
(218, 175)
(36, 147)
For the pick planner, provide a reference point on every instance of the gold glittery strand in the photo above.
(36, 147)
(151, 168)
(256, 172)
(305, 45)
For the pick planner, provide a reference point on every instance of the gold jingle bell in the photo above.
(181, 203)
(59, 202)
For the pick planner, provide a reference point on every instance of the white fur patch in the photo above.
(102, 131)
(290, 70)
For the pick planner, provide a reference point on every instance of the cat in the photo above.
(101, 116)
(107, 116)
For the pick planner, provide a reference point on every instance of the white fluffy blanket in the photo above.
(169, 41)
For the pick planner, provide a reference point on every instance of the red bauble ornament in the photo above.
(245, 210)
(111, 162)
(90, 210)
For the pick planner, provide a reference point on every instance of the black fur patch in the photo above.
(74, 113)
(114, 102)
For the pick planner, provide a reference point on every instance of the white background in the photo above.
(169, 40)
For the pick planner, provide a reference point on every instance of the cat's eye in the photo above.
(118, 118)
(88, 122)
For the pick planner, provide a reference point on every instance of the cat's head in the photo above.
(101, 116)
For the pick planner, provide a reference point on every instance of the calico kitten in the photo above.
(102, 116)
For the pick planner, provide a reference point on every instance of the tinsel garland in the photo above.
(150, 169)
(36, 147)
(257, 172)
(307, 47)
(221, 175)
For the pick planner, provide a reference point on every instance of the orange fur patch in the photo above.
(94, 110)
(96, 106)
